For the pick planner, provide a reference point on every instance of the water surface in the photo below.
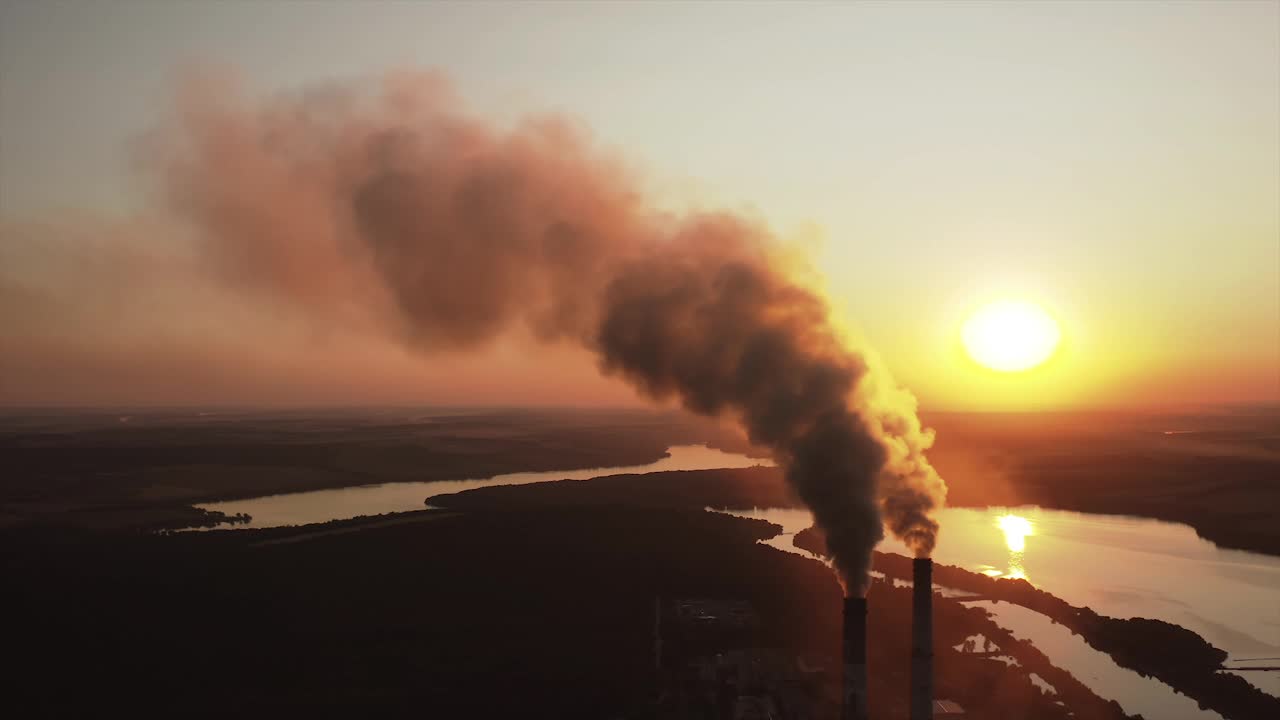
(1119, 566)
(317, 506)
(1136, 694)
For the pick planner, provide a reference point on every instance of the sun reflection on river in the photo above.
(1016, 529)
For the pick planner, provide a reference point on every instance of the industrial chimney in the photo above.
(922, 639)
(855, 659)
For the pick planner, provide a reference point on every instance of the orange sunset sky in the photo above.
(1117, 165)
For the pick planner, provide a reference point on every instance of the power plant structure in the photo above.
(855, 705)
(922, 639)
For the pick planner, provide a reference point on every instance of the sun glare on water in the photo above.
(1010, 336)
(1016, 529)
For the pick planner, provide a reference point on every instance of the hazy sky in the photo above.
(1117, 162)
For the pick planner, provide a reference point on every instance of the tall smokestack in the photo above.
(855, 659)
(922, 639)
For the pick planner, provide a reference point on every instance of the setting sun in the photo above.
(1010, 336)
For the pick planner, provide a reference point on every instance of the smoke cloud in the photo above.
(391, 208)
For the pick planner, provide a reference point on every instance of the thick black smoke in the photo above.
(395, 205)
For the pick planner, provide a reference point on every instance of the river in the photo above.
(1119, 566)
(318, 506)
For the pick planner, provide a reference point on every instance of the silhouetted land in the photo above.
(520, 600)
(984, 686)
(511, 610)
(144, 469)
(1217, 471)
(1175, 655)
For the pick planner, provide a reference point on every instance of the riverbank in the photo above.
(1176, 656)
(506, 611)
(1217, 471)
(146, 470)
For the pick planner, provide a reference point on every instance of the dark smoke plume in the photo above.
(395, 207)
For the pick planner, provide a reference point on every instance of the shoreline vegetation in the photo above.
(552, 604)
(149, 473)
(499, 570)
(92, 470)
(1176, 656)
